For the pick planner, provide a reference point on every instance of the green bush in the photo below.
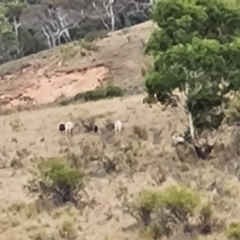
(61, 180)
(233, 231)
(181, 201)
(89, 46)
(113, 91)
(96, 94)
(62, 175)
(101, 93)
(148, 199)
(91, 36)
(162, 212)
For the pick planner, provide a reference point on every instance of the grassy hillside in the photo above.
(102, 175)
(115, 59)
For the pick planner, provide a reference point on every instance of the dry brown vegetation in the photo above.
(111, 186)
(116, 169)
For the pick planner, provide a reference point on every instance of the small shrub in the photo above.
(113, 91)
(140, 132)
(143, 72)
(16, 207)
(39, 235)
(67, 231)
(61, 175)
(89, 46)
(153, 231)
(146, 203)
(181, 201)
(62, 180)
(184, 168)
(16, 163)
(6, 112)
(206, 213)
(150, 100)
(63, 100)
(157, 208)
(101, 93)
(91, 36)
(69, 51)
(16, 124)
(207, 220)
(233, 231)
(78, 97)
(96, 94)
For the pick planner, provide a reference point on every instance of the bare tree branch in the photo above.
(54, 22)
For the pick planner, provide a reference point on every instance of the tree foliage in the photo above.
(196, 50)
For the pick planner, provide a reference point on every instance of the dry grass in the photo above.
(117, 168)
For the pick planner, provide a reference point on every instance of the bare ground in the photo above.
(143, 155)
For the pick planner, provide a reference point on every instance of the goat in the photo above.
(95, 128)
(118, 126)
(177, 139)
(69, 128)
(66, 128)
(61, 127)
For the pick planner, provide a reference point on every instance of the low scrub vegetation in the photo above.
(233, 231)
(101, 93)
(58, 181)
(89, 46)
(91, 36)
(109, 91)
(166, 212)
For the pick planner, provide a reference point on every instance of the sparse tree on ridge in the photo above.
(196, 51)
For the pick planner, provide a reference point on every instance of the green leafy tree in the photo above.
(196, 50)
(14, 9)
(8, 41)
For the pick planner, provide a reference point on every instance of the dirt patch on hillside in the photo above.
(46, 88)
(41, 78)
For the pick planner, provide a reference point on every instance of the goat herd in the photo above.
(67, 127)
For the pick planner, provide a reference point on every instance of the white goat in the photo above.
(118, 126)
(66, 128)
(177, 139)
(69, 128)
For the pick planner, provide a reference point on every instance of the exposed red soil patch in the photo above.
(46, 89)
